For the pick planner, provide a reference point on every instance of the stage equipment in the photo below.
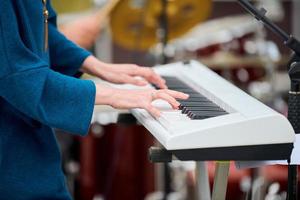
(66, 6)
(294, 94)
(134, 23)
(232, 46)
(113, 158)
(218, 122)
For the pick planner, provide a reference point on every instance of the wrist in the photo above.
(104, 95)
(93, 66)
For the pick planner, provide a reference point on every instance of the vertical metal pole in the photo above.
(202, 182)
(164, 28)
(296, 17)
(221, 181)
(167, 181)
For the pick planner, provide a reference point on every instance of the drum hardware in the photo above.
(72, 168)
(273, 191)
(132, 19)
(97, 130)
(245, 187)
(65, 6)
(232, 46)
(258, 189)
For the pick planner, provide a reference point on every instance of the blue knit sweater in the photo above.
(37, 93)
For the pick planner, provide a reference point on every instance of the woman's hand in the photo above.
(122, 73)
(128, 99)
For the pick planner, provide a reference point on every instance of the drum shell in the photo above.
(114, 163)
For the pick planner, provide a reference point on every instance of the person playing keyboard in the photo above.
(38, 93)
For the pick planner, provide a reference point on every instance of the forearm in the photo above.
(93, 66)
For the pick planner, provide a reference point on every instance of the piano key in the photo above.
(185, 110)
(169, 77)
(196, 99)
(199, 99)
(177, 87)
(203, 110)
(205, 115)
(212, 106)
(212, 112)
(195, 95)
(176, 84)
(196, 104)
(173, 83)
(185, 90)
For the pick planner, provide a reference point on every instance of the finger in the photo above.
(156, 79)
(153, 111)
(134, 81)
(150, 76)
(171, 100)
(176, 94)
(145, 72)
(159, 81)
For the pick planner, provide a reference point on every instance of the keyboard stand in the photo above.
(220, 181)
(160, 155)
(271, 152)
(202, 181)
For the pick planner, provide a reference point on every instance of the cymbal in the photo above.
(67, 6)
(134, 25)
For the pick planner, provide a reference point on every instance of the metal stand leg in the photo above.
(202, 182)
(220, 181)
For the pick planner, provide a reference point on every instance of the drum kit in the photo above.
(234, 46)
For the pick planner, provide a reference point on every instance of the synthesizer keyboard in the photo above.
(218, 121)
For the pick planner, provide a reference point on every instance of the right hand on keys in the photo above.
(128, 99)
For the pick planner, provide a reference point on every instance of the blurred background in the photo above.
(111, 163)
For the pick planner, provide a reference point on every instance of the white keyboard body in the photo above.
(248, 122)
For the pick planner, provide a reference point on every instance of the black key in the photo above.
(206, 115)
(185, 110)
(196, 104)
(176, 83)
(177, 87)
(211, 107)
(181, 107)
(212, 112)
(170, 78)
(204, 110)
(195, 95)
(187, 91)
(198, 99)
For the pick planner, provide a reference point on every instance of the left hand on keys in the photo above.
(122, 73)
